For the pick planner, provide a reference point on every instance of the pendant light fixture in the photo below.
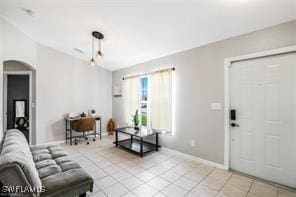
(99, 36)
(99, 53)
(92, 61)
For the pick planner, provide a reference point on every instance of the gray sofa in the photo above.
(45, 169)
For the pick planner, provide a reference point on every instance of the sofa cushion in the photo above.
(69, 183)
(59, 174)
(42, 166)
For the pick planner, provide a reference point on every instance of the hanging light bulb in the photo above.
(92, 61)
(99, 53)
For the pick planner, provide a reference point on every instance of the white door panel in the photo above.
(263, 93)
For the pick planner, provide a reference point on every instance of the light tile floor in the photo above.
(161, 174)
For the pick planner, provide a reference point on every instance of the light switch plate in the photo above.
(216, 106)
(192, 143)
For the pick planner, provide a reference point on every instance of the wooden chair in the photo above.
(83, 125)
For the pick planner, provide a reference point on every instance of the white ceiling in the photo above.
(141, 30)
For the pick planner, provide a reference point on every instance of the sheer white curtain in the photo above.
(161, 100)
(131, 97)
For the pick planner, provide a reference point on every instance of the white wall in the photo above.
(67, 85)
(17, 45)
(199, 79)
(63, 83)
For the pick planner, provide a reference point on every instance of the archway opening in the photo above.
(19, 98)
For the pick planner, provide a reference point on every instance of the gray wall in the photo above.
(199, 79)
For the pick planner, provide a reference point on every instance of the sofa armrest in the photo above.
(13, 178)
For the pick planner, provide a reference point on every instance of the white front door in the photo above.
(263, 136)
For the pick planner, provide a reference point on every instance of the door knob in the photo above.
(234, 125)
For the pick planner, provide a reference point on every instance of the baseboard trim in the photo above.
(63, 141)
(48, 143)
(195, 158)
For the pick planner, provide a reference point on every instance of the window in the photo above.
(151, 95)
(144, 101)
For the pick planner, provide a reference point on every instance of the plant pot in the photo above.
(137, 128)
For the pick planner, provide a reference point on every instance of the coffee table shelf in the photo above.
(136, 142)
(135, 145)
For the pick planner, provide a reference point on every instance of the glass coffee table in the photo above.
(136, 142)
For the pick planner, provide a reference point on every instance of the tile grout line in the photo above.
(250, 187)
(155, 164)
(112, 157)
(107, 174)
(100, 190)
(159, 175)
(224, 184)
(147, 169)
(185, 177)
(85, 157)
(193, 180)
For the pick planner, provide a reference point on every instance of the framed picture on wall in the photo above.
(117, 90)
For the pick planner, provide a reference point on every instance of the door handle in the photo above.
(232, 114)
(234, 125)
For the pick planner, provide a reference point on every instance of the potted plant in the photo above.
(136, 120)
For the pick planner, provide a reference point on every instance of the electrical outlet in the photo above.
(192, 143)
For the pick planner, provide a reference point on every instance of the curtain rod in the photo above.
(173, 69)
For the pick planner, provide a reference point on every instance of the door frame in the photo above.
(5, 74)
(227, 90)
